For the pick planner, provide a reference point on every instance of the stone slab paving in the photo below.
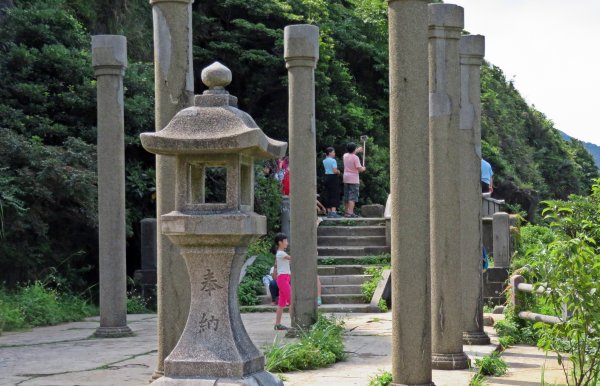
(65, 355)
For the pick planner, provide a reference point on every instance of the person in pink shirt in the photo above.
(352, 167)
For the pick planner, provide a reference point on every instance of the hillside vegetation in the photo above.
(47, 114)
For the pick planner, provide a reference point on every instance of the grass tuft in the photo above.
(320, 346)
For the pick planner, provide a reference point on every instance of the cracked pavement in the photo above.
(67, 355)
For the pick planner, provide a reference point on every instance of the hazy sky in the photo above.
(551, 49)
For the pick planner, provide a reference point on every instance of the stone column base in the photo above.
(454, 361)
(262, 378)
(113, 332)
(475, 338)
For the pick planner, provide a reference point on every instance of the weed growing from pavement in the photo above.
(319, 346)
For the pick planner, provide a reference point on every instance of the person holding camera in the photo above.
(352, 167)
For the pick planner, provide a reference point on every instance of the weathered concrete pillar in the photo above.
(472, 48)
(445, 26)
(409, 198)
(174, 90)
(109, 58)
(501, 229)
(285, 217)
(301, 52)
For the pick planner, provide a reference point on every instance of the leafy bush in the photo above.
(38, 305)
(137, 304)
(570, 267)
(251, 285)
(491, 364)
(513, 330)
(267, 199)
(383, 378)
(368, 287)
(320, 346)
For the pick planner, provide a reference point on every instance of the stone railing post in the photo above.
(445, 26)
(501, 231)
(301, 52)
(471, 49)
(109, 58)
(515, 280)
(409, 198)
(174, 90)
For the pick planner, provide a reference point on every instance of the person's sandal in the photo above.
(280, 327)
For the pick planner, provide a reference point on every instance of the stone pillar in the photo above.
(409, 198)
(174, 90)
(471, 49)
(501, 230)
(109, 58)
(301, 52)
(285, 217)
(445, 26)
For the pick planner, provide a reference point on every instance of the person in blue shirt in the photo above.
(486, 177)
(332, 183)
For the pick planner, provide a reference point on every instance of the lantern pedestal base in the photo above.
(262, 378)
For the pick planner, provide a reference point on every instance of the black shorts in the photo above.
(332, 191)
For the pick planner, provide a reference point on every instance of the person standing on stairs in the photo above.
(352, 167)
(332, 183)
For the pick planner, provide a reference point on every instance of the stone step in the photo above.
(343, 299)
(341, 308)
(351, 251)
(343, 279)
(354, 289)
(360, 221)
(340, 270)
(348, 260)
(360, 241)
(374, 230)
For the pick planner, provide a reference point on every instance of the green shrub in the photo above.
(513, 330)
(37, 305)
(368, 287)
(383, 378)
(251, 285)
(491, 364)
(569, 266)
(320, 346)
(137, 304)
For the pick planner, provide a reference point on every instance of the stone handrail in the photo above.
(489, 205)
(518, 284)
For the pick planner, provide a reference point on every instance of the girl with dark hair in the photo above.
(284, 278)
(332, 183)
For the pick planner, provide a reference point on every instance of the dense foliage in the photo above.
(38, 304)
(563, 257)
(47, 115)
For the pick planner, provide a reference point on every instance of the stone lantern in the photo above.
(214, 145)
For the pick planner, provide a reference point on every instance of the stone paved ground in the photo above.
(66, 355)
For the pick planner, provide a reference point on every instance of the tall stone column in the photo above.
(301, 52)
(174, 90)
(471, 48)
(445, 26)
(409, 173)
(109, 58)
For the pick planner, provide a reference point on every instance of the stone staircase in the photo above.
(345, 247)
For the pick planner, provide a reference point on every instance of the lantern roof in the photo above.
(213, 125)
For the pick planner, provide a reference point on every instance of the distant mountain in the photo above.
(593, 149)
